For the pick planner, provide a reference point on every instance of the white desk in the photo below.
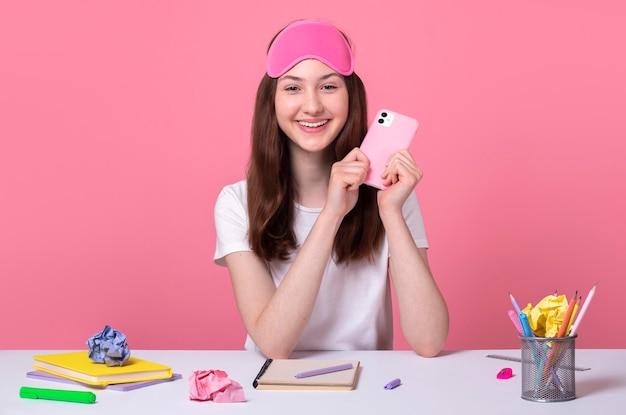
(462, 382)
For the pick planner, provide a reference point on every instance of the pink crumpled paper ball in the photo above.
(214, 385)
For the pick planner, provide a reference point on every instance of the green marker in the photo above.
(57, 395)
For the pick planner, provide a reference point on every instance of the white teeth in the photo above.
(312, 124)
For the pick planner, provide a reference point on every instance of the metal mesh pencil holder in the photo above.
(548, 368)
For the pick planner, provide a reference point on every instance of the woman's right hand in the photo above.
(346, 176)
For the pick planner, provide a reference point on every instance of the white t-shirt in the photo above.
(353, 309)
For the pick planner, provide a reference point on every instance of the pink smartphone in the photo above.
(389, 132)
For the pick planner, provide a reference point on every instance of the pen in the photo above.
(558, 382)
(267, 364)
(393, 384)
(324, 370)
(57, 395)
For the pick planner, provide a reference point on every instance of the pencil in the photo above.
(515, 306)
(583, 310)
(573, 317)
(561, 333)
(567, 317)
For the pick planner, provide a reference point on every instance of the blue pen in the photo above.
(539, 361)
(523, 318)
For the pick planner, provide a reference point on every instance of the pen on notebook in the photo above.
(266, 364)
(583, 310)
(324, 370)
(57, 395)
(515, 306)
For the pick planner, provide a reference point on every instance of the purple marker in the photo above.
(393, 384)
(324, 370)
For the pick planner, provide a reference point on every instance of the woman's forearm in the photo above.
(423, 310)
(280, 324)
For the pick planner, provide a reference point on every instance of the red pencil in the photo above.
(561, 333)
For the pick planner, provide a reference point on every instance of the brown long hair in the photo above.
(271, 192)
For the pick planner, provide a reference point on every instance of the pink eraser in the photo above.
(505, 373)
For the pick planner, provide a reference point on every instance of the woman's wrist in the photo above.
(330, 220)
(391, 216)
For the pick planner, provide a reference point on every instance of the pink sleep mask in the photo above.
(309, 39)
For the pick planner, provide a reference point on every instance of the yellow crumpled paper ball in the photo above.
(546, 317)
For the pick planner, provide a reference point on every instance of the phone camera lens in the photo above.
(381, 120)
(383, 114)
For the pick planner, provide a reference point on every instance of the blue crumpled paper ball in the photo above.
(109, 346)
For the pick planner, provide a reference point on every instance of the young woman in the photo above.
(310, 249)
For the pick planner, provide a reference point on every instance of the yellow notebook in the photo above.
(282, 374)
(79, 367)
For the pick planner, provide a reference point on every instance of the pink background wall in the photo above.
(120, 121)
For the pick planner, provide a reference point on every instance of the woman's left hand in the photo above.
(401, 176)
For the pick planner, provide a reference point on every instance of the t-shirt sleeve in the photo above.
(413, 216)
(231, 224)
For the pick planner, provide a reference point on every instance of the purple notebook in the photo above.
(123, 387)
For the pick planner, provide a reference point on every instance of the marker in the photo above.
(393, 384)
(516, 322)
(57, 395)
(528, 332)
(324, 370)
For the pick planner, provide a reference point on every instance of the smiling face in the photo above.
(311, 105)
